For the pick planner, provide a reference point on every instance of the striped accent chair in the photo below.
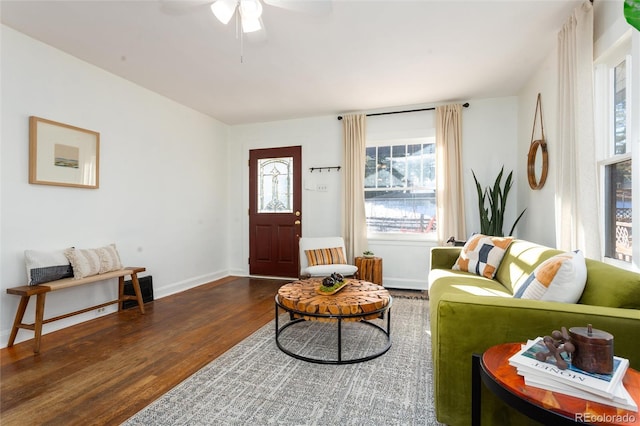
(321, 256)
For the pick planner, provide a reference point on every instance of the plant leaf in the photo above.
(632, 13)
(516, 222)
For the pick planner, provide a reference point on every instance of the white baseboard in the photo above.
(188, 284)
(405, 284)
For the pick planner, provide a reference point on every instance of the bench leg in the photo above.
(136, 288)
(120, 292)
(22, 307)
(38, 324)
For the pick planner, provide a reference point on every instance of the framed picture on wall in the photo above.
(63, 155)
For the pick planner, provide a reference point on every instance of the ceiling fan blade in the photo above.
(224, 10)
(257, 37)
(316, 7)
(183, 7)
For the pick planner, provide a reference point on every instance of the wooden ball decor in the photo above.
(556, 344)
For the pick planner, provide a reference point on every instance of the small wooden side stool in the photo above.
(369, 269)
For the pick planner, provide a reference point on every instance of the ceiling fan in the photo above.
(248, 13)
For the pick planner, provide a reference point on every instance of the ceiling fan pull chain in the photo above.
(239, 33)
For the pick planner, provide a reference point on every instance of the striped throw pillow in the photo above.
(325, 256)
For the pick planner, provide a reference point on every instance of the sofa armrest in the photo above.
(462, 325)
(444, 257)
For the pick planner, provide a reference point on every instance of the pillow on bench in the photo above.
(87, 262)
(45, 266)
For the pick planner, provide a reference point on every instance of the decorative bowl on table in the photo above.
(332, 284)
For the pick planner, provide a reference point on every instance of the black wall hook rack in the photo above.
(325, 168)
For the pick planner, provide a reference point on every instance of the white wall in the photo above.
(489, 134)
(320, 138)
(539, 225)
(163, 180)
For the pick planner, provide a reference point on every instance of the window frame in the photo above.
(604, 73)
(401, 236)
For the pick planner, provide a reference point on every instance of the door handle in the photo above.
(297, 222)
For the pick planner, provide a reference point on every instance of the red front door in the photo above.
(275, 216)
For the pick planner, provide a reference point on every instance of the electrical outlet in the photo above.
(101, 310)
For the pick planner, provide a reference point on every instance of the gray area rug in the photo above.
(254, 383)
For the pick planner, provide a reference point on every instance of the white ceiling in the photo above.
(362, 56)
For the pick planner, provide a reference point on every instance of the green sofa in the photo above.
(469, 314)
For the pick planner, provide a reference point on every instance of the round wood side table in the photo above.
(492, 368)
(369, 269)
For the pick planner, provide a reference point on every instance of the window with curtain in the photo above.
(615, 163)
(399, 186)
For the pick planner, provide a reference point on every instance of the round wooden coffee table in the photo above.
(359, 301)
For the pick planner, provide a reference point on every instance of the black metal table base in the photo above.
(339, 320)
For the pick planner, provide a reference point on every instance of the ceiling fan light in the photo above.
(250, 25)
(224, 9)
(250, 9)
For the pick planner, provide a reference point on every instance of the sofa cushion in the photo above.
(608, 285)
(559, 279)
(326, 270)
(447, 281)
(482, 255)
(520, 260)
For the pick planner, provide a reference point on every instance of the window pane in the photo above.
(429, 165)
(399, 166)
(414, 165)
(620, 108)
(404, 198)
(384, 167)
(275, 185)
(400, 211)
(618, 244)
(370, 168)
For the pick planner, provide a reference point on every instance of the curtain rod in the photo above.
(466, 105)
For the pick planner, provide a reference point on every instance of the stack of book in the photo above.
(602, 388)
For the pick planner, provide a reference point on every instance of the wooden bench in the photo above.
(25, 293)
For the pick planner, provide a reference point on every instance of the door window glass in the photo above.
(275, 185)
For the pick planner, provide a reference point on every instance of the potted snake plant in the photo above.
(492, 203)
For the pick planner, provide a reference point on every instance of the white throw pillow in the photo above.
(559, 279)
(45, 266)
(87, 262)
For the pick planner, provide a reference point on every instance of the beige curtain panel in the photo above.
(449, 184)
(354, 221)
(577, 218)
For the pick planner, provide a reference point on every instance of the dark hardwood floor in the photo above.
(103, 371)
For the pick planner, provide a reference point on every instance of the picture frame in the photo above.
(63, 155)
